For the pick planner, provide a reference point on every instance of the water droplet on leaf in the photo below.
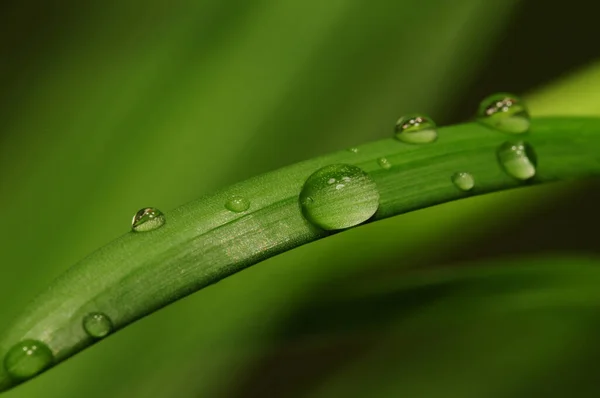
(353, 150)
(505, 112)
(518, 159)
(148, 219)
(339, 196)
(416, 129)
(463, 181)
(307, 200)
(27, 358)
(97, 324)
(384, 163)
(237, 204)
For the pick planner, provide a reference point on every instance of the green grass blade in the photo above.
(125, 80)
(207, 67)
(202, 242)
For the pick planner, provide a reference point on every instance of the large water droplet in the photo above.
(384, 163)
(27, 358)
(416, 129)
(505, 112)
(518, 159)
(148, 219)
(97, 324)
(339, 196)
(237, 204)
(463, 181)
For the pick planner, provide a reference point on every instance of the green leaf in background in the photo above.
(576, 94)
(494, 329)
(122, 105)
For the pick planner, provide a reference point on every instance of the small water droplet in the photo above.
(339, 196)
(97, 324)
(237, 204)
(353, 150)
(416, 129)
(463, 181)
(148, 219)
(505, 112)
(518, 159)
(27, 358)
(384, 163)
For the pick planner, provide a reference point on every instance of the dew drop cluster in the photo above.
(334, 197)
(507, 113)
(503, 112)
(340, 196)
(30, 357)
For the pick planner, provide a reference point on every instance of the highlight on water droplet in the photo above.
(27, 358)
(353, 150)
(416, 129)
(518, 159)
(384, 163)
(148, 219)
(339, 196)
(505, 112)
(463, 181)
(237, 204)
(97, 324)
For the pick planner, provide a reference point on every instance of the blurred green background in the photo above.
(108, 107)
